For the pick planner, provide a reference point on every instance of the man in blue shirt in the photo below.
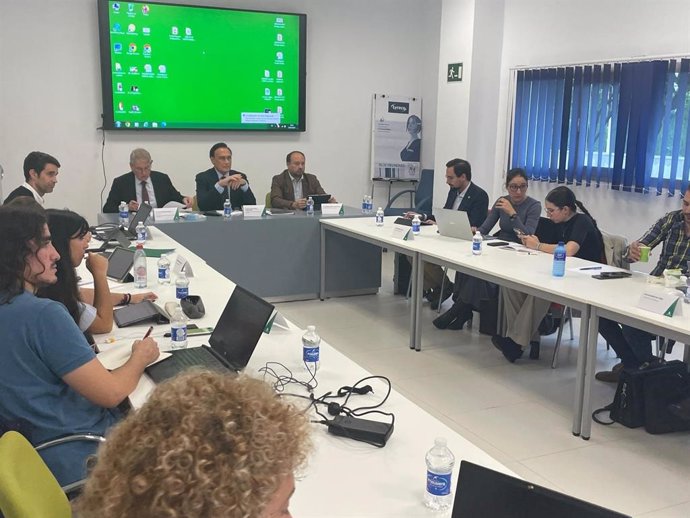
(51, 382)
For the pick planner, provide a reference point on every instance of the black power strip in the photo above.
(373, 432)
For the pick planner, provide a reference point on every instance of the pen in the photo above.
(148, 333)
(590, 268)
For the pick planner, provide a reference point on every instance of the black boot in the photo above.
(444, 320)
(464, 315)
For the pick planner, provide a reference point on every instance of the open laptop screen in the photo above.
(240, 327)
(484, 492)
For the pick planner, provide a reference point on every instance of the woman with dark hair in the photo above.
(522, 313)
(91, 309)
(412, 150)
(515, 212)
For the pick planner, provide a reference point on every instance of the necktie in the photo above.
(144, 193)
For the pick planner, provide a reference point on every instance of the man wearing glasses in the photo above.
(142, 184)
(221, 182)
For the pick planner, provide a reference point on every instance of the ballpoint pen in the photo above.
(148, 333)
(590, 268)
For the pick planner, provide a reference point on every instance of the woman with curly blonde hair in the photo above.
(204, 445)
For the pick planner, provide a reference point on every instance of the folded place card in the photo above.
(181, 264)
(166, 214)
(253, 211)
(332, 209)
(402, 232)
(665, 303)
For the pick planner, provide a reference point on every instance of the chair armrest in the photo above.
(70, 438)
(397, 195)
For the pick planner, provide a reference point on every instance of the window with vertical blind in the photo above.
(622, 124)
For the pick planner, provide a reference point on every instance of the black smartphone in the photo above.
(496, 243)
(612, 275)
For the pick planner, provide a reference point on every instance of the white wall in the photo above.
(50, 97)
(550, 32)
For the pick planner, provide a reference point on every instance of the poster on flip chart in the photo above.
(396, 137)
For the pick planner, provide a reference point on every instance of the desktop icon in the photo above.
(188, 31)
(279, 37)
(118, 87)
(136, 124)
(279, 55)
(118, 124)
(131, 27)
(117, 27)
(118, 67)
(116, 6)
(279, 91)
(267, 91)
(145, 9)
(117, 47)
(148, 68)
(154, 124)
(147, 48)
(132, 47)
(120, 106)
(279, 74)
(134, 89)
(130, 8)
(146, 124)
(163, 124)
(279, 20)
(146, 30)
(267, 73)
(175, 31)
(162, 69)
(127, 124)
(279, 109)
(134, 69)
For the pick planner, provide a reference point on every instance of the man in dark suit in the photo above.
(40, 173)
(463, 195)
(142, 184)
(221, 182)
(291, 188)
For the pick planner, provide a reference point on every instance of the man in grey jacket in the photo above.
(291, 188)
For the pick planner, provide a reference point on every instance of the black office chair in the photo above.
(423, 196)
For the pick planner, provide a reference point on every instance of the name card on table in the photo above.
(665, 303)
(332, 209)
(402, 232)
(166, 214)
(181, 265)
(253, 211)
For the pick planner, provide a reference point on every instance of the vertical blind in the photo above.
(624, 124)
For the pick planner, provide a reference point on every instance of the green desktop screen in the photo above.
(187, 67)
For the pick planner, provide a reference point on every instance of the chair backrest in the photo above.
(27, 487)
(424, 196)
(268, 200)
(614, 247)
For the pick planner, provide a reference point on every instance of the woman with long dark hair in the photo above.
(578, 231)
(91, 309)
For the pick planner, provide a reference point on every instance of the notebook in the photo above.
(453, 223)
(484, 492)
(232, 342)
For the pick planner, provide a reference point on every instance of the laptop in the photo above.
(140, 217)
(318, 200)
(232, 342)
(453, 223)
(484, 492)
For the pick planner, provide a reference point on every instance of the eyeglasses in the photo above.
(224, 158)
(551, 211)
(515, 188)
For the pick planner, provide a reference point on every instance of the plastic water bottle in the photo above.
(227, 209)
(310, 206)
(140, 267)
(164, 269)
(178, 330)
(310, 348)
(416, 224)
(477, 243)
(123, 218)
(559, 260)
(365, 204)
(182, 286)
(439, 471)
(370, 204)
(379, 217)
(141, 233)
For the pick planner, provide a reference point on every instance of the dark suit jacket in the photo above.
(208, 198)
(475, 203)
(124, 188)
(18, 193)
(283, 193)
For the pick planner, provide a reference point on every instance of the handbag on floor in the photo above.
(642, 397)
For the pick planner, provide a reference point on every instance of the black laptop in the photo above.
(140, 217)
(318, 200)
(232, 342)
(484, 492)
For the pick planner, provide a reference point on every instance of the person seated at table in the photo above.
(514, 212)
(221, 182)
(204, 445)
(291, 188)
(463, 195)
(40, 172)
(634, 346)
(91, 309)
(522, 313)
(142, 184)
(50, 378)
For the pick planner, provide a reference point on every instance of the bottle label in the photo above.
(163, 273)
(182, 292)
(310, 354)
(438, 485)
(476, 246)
(227, 212)
(415, 227)
(559, 256)
(178, 334)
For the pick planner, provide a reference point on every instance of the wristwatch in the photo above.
(513, 216)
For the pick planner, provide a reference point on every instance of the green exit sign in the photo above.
(454, 72)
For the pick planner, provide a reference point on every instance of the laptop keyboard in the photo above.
(198, 357)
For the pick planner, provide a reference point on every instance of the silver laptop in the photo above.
(453, 223)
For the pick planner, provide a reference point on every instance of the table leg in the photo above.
(580, 372)
(419, 282)
(414, 259)
(589, 374)
(322, 281)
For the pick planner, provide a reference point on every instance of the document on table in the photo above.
(118, 356)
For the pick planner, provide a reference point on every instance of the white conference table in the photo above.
(348, 478)
(531, 274)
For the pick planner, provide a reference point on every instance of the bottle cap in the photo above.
(311, 328)
(440, 441)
